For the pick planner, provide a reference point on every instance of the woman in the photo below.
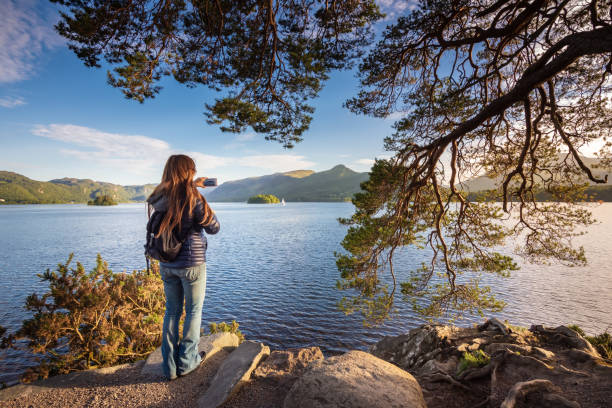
(187, 215)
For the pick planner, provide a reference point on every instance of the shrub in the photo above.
(224, 327)
(603, 344)
(95, 319)
(477, 358)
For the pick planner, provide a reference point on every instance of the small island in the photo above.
(263, 199)
(102, 200)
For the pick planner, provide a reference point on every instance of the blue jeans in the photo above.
(189, 284)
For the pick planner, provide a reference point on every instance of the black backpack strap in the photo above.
(148, 240)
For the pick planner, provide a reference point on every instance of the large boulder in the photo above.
(283, 366)
(355, 380)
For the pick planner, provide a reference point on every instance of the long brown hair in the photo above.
(178, 187)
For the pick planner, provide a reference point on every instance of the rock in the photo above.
(208, 344)
(355, 380)
(565, 336)
(287, 365)
(496, 324)
(233, 372)
(405, 350)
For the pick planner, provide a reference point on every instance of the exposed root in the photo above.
(564, 369)
(439, 376)
(521, 389)
(559, 401)
(475, 373)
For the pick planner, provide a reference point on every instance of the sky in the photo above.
(59, 118)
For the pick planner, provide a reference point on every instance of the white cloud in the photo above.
(275, 162)
(134, 153)
(364, 162)
(11, 102)
(245, 137)
(238, 142)
(394, 116)
(26, 33)
(394, 8)
(145, 156)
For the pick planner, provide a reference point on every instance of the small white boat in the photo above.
(283, 201)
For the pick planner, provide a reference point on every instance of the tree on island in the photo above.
(511, 89)
(102, 200)
(263, 199)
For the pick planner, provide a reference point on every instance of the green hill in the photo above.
(596, 191)
(336, 184)
(18, 189)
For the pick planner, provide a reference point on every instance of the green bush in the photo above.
(603, 344)
(263, 199)
(228, 328)
(95, 319)
(477, 358)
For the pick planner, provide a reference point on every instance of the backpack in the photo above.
(164, 248)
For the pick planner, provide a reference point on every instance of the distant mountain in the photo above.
(597, 191)
(18, 189)
(337, 184)
(487, 183)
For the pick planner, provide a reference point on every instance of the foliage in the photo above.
(263, 199)
(271, 57)
(95, 319)
(512, 90)
(226, 328)
(474, 359)
(18, 189)
(335, 184)
(102, 200)
(601, 342)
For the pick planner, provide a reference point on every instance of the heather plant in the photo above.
(92, 319)
(227, 328)
(474, 359)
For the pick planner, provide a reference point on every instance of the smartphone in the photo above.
(210, 182)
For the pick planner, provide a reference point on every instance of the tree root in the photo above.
(440, 376)
(521, 389)
(475, 373)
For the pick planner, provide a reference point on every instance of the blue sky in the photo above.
(61, 119)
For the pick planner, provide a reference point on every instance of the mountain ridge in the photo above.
(336, 184)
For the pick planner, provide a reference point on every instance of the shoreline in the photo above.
(434, 354)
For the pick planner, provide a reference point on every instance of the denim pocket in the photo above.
(192, 274)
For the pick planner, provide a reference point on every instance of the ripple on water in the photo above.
(272, 269)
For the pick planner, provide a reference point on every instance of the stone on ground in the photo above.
(208, 344)
(233, 372)
(355, 380)
(286, 365)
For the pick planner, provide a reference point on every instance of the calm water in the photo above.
(272, 269)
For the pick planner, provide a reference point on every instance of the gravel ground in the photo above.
(123, 388)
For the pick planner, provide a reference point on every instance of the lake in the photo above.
(272, 269)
